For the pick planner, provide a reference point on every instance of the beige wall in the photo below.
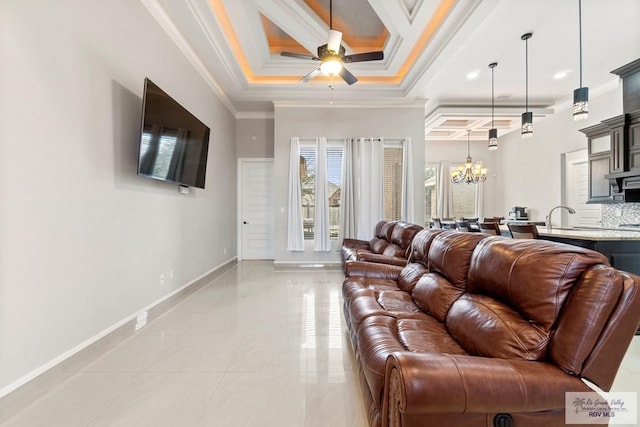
(83, 239)
(254, 138)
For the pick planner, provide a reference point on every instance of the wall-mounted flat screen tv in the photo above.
(173, 142)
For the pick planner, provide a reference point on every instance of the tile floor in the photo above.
(255, 347)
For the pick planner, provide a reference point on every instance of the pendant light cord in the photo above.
(492, 96)
(580, 32)
(330, 14)
(526, 74)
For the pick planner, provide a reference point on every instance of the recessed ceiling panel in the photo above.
(278, 40)
(362, 30)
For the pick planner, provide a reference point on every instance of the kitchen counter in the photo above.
(621, 247)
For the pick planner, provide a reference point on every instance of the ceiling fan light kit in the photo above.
(493, 132)
(332, 56)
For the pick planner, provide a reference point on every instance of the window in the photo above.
(392, 180)
(463, 198)
(308, 170)
(430, 191)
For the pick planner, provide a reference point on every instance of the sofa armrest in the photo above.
(421, 383)
(381, 259)
(372, 270)
(355, 243)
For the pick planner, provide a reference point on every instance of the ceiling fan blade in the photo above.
(311, 75)
(299, 55)
(335, 38)
(367, 56)
(347, 76)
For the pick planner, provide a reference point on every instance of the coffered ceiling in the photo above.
(436, 53)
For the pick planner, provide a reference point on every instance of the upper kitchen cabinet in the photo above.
(614, 146)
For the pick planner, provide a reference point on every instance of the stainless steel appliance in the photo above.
(519, 213)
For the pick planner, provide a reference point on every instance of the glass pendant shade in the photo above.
(527, 124)
(581, 104)
(331, 65)
(493, 139)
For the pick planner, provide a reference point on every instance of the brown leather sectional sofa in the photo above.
(484, 331)
(390, 244)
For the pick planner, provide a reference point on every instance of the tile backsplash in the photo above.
(620, 213)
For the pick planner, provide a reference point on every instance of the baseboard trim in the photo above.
(39, 381)
(307, 265)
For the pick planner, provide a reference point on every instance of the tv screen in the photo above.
(173, 142)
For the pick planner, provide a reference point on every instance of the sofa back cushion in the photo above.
(378, 245)
(515, 291)
(387, 230)
(394, 250)
(421, 243)
(378, 232)
(410, 274)
(584, 316)
(450, 255)
(403, 234)
(434, 294)
(532, 276)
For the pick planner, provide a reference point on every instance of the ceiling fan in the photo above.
(332, 56)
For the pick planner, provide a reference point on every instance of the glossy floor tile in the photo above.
(255, 347)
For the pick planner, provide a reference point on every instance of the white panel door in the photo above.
(256, 218)
(577, 192)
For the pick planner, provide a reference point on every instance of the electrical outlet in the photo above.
(224, 251)
(161, 278)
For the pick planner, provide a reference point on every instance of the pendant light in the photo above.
(468, 173)
(527, 116)
(493, 132)
(580, 95)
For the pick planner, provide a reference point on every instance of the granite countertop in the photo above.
(585, 233)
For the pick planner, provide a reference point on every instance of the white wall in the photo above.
(336, 122)
(529, 170)
(83, 239)
(254, 138)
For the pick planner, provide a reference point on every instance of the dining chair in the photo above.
(463, 226)
(491, 228)
(436, 223)
(523, 231)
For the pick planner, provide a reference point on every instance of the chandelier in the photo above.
(469, 173)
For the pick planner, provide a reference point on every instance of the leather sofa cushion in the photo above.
(589, 306)
(421, 243)
(387, 230)
(434, 294)
(450, 255)
(379, 336)
(403, 234)
(394, 250)
(532, 276)
(410, 275)
(378, 245)
(486, 327)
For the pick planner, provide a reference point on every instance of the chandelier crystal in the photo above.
(469, 173)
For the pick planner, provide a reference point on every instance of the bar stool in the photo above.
(491, 228)
(523, 231)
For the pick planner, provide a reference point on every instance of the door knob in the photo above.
(244, 222)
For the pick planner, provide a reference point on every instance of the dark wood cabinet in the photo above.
(622, 254)
(634, 142)
(600, 162)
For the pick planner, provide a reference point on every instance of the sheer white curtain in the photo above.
(321, 234)
(370, 183)
(348, 219)
(445, 202)
(479, 200)
(295, 231)
(408, 198)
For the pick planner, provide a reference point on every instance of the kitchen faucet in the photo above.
(570, 210)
